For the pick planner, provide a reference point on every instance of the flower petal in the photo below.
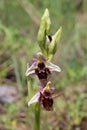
(31, 69)
(41, 57)
(52, 89)
(53, 67)
(29, 72)
(34, 99)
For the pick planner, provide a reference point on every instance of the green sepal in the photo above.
(54, 43)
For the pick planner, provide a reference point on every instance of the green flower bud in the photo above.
(54, 42)
(43, 30)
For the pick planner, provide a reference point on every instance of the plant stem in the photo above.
(37, 117)
(37, 105)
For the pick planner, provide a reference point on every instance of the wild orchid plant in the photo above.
(42, 67)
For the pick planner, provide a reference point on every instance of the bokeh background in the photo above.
(19, 24)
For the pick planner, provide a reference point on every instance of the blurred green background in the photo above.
(19, 24)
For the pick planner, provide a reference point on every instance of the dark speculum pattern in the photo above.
(46, 100)
(41, 71)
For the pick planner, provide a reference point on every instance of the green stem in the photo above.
(37, 117)
(37, 105)
(50, 57)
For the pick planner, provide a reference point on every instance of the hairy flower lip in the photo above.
(46, 100)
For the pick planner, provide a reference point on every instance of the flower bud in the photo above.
(54, 42)
(43, 30)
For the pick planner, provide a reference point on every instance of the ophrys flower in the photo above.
(42, 68)
(44, 97)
